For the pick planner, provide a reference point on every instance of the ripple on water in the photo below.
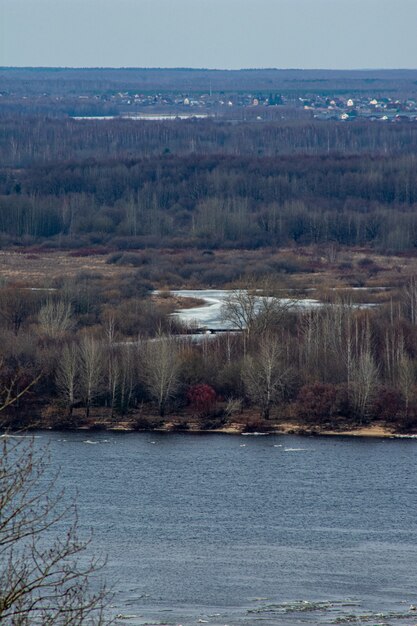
(204, 529)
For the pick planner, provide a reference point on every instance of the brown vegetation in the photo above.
(89, 357)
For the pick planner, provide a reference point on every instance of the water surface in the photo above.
(241, 530)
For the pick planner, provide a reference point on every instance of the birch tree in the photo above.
(265, 374)
(160, 369)
(365, 379)
(67, 375)
(55, 318)
(91, 370)
(127, 378)
(405, 371)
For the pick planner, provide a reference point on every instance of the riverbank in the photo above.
(374, 430)
(371, 430)
(245, 425)
(244, 420)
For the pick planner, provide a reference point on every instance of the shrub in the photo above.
(321, 402)
(387, 405)
(201, 398)
(143, 422)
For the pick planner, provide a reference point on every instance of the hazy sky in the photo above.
(209, 33)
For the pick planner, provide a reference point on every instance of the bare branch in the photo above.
(43, 580)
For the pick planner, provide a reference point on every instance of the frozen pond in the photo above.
(155, 117)
(210, 313)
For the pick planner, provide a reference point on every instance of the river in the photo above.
(244, 530)
(210, 315)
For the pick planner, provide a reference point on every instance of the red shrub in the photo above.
(321, 402)
(201, 398)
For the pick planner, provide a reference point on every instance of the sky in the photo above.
(227, 34)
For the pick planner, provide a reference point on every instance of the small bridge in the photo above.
(212, 331)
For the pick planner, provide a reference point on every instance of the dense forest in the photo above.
(200, 183)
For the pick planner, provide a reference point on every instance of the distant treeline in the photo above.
(25, 140)
(62, 81)
(207, 184)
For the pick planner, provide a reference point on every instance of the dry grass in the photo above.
(351, 269)
(41, 269)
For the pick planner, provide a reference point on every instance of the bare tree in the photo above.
(55, 318)
(20, 370)
(12, 391)
(43, 579)
(113, 362)
(160, 369)
(67, 374)
(16, 305)
(266, 374)
(240, 309)
(405, 372)
(110, 327)
(365, 380)
(326, 342)
(406, 378)
(91, 370)
(114, 370)
(255, 309)
(410, 299)
(127, 377)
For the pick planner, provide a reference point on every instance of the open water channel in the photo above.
(246, 530)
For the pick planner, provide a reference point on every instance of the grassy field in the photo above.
(303, 269)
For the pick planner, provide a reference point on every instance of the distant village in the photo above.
(320, 107)
(223, 105)
(372, 108)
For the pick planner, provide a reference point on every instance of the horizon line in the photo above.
(207, 69)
